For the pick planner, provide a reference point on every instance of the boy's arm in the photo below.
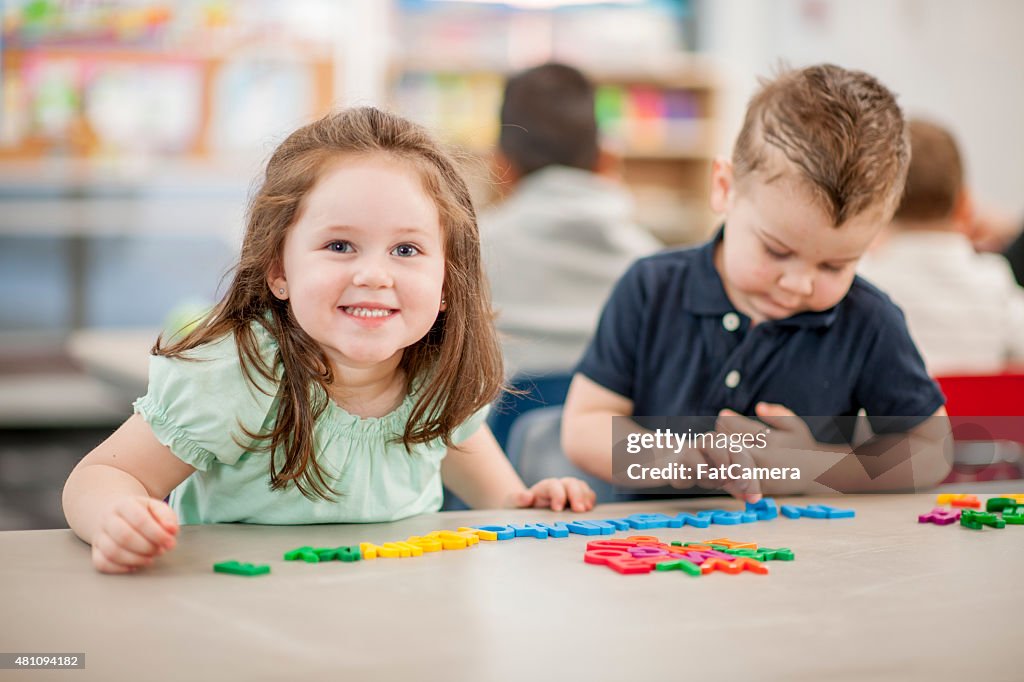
(480, 474)
(131, 463)
(587, 435)
(587, 425)
(918, 459)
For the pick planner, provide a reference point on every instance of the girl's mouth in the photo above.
(368, 313)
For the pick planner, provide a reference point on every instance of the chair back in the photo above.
(987, 416)
(536, 392)
(535, 450)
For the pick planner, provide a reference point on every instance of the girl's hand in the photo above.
(133, 533)
(555, 492)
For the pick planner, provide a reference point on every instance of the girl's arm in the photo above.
(480, 474)
(113, 498)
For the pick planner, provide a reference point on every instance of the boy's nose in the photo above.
(798, 281)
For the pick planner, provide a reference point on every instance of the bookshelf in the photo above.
(189, 80)
(656, 100)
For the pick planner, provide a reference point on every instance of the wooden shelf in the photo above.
(80, 139)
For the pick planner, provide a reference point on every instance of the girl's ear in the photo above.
(721, 184)
(444, 304)
(277, 282)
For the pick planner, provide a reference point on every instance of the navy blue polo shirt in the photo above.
(670, 341)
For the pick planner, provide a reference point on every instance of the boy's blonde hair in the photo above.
(457, 366)
(842, 130)
(936, 174)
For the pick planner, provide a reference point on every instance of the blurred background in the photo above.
(131, 133)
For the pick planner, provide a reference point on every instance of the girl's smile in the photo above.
(363, 264)
(369, 315)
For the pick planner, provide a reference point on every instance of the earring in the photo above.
(281, 291)
(444, 302)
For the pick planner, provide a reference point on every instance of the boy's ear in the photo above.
(608, 164)
(721, 184)
(963, 212)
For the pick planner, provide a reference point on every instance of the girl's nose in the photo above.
(372, 273)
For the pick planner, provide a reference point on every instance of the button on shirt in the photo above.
(670, 341)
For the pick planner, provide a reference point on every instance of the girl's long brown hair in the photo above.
(457, 366)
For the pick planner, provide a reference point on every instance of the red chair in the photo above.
(987, 416)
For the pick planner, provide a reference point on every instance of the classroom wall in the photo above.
(959, 63)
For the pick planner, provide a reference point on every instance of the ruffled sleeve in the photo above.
(198, 406)
(470, 426)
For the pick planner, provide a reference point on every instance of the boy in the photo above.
(964, 309)
(768, 319)
(564, 235)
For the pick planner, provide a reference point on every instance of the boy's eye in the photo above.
(828, 267)
(776, 254)
(405, 250)
(339, 247)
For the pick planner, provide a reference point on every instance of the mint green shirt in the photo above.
(195, 408)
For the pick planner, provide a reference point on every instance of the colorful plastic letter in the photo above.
(940, 516)
(307, 554)
(502, 532)
(590, 528)
(765, 509)
(528, 531)
(967, 501)
(998, 504)
(687, 567)
(557, 529)
(699, 520)
(238, 568)
(791, 511)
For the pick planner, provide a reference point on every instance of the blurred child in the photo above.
(559, 241)
(1014, 254)
(345, 372)
(768, 319)
(964, 309)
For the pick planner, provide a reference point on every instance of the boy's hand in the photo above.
(787, 429)
(787, 436)
(691, 458)
(133, 533)
(555, 492)
(745, 490)
(784, 430)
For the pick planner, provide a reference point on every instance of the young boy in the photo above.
(964, 309)
(768, 319)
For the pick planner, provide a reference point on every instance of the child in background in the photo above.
(768, 319)
(964, 309)
(555, 246)
(347, 369)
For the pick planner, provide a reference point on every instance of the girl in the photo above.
(352, 360)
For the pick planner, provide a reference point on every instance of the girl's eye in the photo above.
(339, 247)
(405, 250)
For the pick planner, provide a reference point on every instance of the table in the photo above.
(120, 357)
(877, 597)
